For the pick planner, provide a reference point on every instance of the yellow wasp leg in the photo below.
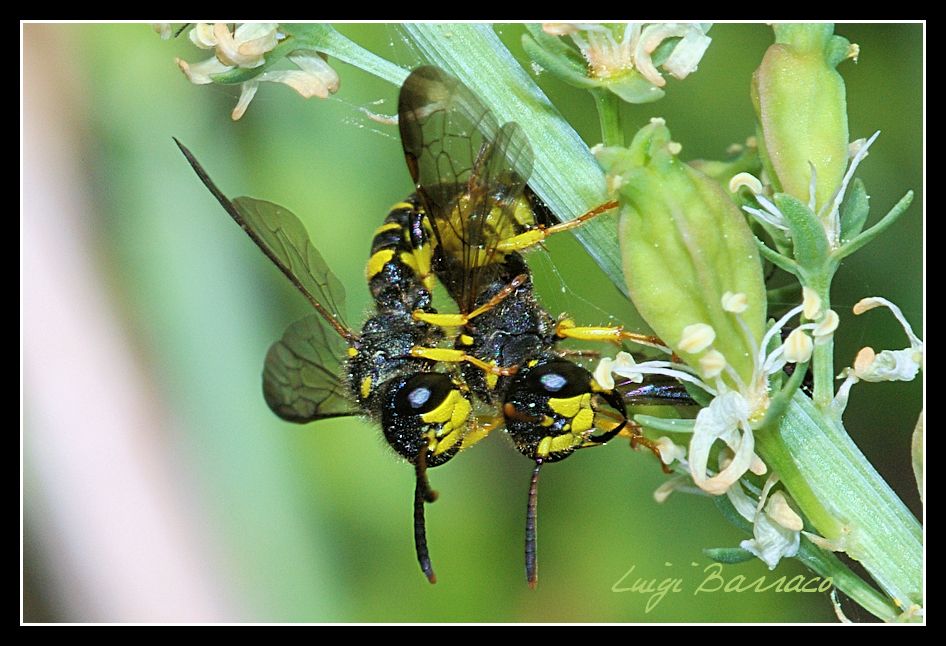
(635, 434)
(449, 355)
(483, 426)
(534, 236)
(459, 320)
(567, 329)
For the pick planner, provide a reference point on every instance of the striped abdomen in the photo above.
(398, 271)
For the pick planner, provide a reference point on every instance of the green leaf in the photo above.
(885, 222)
(728, 555)
(854, 210)
(808, 236)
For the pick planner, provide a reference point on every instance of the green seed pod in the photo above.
(684, 245)
(801, 105)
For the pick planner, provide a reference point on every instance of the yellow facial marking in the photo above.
(544, 446)
(567, 442)
(569, 407)
(352, 352)
(443, 411)
(377, 262)
(390, 226)
(365, 387)
(583, 421)
(452, 413)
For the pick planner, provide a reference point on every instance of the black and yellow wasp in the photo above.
(470, 174)
(471, 214)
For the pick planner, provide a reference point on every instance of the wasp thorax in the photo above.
(555, 407)
(425, 411)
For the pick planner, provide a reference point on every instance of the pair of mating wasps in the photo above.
(471, 215)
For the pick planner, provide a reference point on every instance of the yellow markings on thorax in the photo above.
(495, 226)
(466, 339)
(377, 262)
(366, 387)
(402, 205)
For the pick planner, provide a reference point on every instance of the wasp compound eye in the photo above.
(554, 408)
(425, 411)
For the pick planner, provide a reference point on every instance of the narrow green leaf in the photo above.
(728, 555)
(854, 210)
(808, 236)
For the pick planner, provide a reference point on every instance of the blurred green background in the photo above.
(195, 503)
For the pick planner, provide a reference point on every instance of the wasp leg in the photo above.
(459, 320)
(482, 427)
(635, 434)
(572, 352)
(534, 236)
(449, 355)
(566, 329)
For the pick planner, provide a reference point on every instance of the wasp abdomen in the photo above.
(398, 270)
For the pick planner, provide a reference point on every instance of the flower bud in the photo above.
(684, 246)
(801, 106)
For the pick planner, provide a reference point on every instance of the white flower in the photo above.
(670, 452)
(776, 527)
(887, 365)
(163, 29)
(725, 419)
(614, 49)
(246, 48)
(730, 417)
(315, 77)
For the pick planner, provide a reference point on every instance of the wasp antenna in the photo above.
(532, 568)
(422, 493)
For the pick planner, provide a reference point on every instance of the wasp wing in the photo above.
(301, 376)
(283, 238)
(469, 172)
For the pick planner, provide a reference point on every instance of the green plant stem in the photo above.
(845, 498)
(565, 174)
(822, 366)
(325, 38)
(826, 565)
(609, 116)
